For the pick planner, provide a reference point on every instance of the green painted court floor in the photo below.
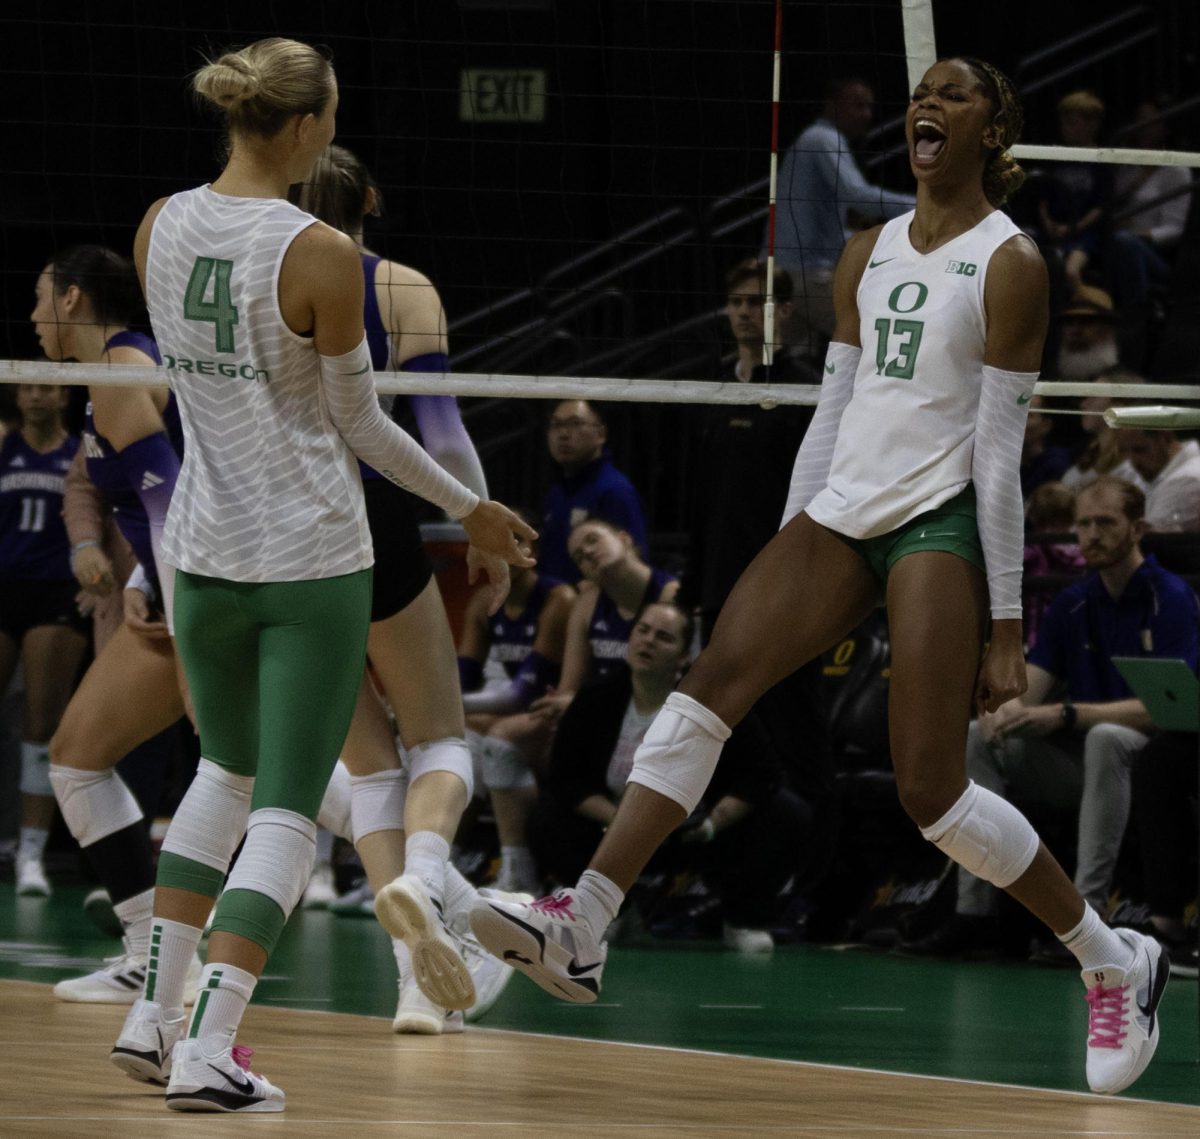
(1000, 1022)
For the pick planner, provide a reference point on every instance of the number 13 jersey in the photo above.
(906, 438)
(268, 490)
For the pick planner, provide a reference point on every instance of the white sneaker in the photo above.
(418, 1015)
(120, 982)
(31, 878)
(545, 941)
(358, 901)
(406, 910)
(1123, 1017)
(218, 1083)
(748, 940)
(320, 890)
(143, 1049)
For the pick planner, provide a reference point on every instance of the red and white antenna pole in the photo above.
(769, 293)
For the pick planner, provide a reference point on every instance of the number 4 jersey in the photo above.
(33, 540)
(907, 436)
(268, 490)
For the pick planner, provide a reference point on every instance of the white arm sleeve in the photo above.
(350, 396)
(999, 432)
(815, 456)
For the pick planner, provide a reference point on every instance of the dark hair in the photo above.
(592, 405)
(755, 271)
(1002, 177)
(336, 190)
(687, 620)
(107, 279)
(1133, 500)
(261, 86)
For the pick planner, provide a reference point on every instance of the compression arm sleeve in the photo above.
(152, 467)
(380, 443)
(534, 676)
(999, 432)
(441, 426)
(815, 456)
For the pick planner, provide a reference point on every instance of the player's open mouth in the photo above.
(928, 140)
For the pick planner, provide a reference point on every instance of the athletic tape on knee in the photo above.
(450, 754)
(986, 835)
(94, 804)
(210, 820)
(334, 812)
(680, 751)
(505, 767)
(377, 802)
(277, 857)
(35, 769)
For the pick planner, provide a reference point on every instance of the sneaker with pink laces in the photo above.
(1123, 1014)
(224, 1082)
(546, 940)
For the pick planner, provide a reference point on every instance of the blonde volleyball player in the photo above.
(907, 479)
(258, 312)
(409, 645)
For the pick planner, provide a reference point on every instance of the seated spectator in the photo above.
(1164, 813)
(1041, 461)
(742, 838)
(1049, 514)
(587, 486)
(1170, 468)
(525, 639)
(1087, 340)
(1101, 453)
(1075, 195)
(1076, 752)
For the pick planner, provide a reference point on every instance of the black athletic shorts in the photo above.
(29, 604)
(402, 568)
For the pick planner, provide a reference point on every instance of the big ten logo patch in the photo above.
(962, 268)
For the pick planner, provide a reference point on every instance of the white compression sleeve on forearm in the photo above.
(350, 395)
(816, 451)
(999, 434)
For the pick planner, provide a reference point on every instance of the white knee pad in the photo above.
(35, 769)
(450, 754)
(94, 804)
(212, 816)
(679, 754)
(986, 835)
(377, 802)
(504, 766)
(277, 857)
(334, 812)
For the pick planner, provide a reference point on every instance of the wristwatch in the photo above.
(1070, 716)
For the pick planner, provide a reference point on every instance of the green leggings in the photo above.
(274, 671)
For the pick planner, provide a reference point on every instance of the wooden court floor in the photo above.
(810, 1042)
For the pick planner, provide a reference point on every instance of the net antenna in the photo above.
(768, 349)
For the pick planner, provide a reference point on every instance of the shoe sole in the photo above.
(215, 1101)
(418, 1024)
(440, 973)
(525, 949)
(144, 1067)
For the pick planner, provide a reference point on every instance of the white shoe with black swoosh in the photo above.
(546, 940)
(222, 1082)
(1123, 1014)
(143, 1049)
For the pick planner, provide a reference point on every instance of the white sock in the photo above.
(172, 947)
(425, 855)
(598, 899)
(224, 993)
(1095, 945)
(33, 844)
(136, 913)
(460, 894)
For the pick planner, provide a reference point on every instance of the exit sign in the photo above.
(502, 96)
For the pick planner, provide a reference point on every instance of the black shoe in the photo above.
(965, 937)
(1050, 951)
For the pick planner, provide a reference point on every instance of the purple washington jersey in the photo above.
(33, 539)
(513, 637)
(608, 632)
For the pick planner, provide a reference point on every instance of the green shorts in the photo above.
(950, 528)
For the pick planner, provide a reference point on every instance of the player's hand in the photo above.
(85, 602)
(139, 618)
(495, 569)
(1001, 673)
(550, 707)
(93, 571)
(494, 529)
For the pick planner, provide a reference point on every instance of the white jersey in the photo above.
(268, 490)
(907, 436)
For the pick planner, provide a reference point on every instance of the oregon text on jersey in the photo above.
(215, 368)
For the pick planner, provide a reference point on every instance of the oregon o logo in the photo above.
(843, 652)
(898, 294)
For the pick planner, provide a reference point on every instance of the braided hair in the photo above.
(1002, 177)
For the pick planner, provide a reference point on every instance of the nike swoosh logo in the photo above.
(243, 1084)
(1024, 399)
(829, 368)
(361, 371)
(1154, 988)
(577, 970)
(876, 264)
